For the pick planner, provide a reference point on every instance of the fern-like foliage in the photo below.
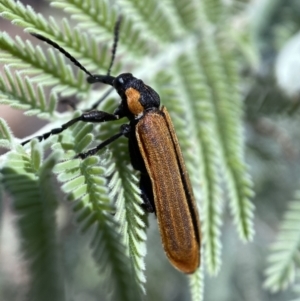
(29, 180)
(6, 137)
(221, 75)
(284, 260)
(86, 186)
(197, 284)
(195, 74)
(20, 93)
(98, 18)
(124, 190)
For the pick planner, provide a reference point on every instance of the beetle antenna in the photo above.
(63, 51)
(115, 45)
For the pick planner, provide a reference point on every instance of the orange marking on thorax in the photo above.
(133, 101)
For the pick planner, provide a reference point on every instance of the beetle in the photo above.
(155, 152)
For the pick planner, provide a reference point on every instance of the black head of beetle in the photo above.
(137, 98)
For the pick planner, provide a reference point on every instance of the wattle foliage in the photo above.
(177, 49)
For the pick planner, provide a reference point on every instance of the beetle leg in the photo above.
(124, 130)
(92, 116)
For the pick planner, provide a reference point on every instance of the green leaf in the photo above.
(221, 77)
(20, 93)
(284, 260)
(126, 193)
(85, 185)
(197, 285)
(6, 136)
(35, 203)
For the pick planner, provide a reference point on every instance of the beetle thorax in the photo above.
(138, 97)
